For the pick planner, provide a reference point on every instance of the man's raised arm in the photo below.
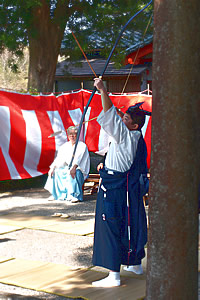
(105, 99)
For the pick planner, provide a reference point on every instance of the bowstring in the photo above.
(135, 58)
(102, 73)
(84, 54)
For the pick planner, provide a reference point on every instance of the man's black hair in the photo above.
(137, 116)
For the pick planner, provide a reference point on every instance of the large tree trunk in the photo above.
(45, 37)
(172, 267)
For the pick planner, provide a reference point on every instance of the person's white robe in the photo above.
(123, 144)
(61, 184)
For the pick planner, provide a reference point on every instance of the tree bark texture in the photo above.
(45, 37)
(172, 260)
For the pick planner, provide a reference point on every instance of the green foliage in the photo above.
(33, 91)
(12, 28)
(96, 23)
(13, 66)
(99, 25)
(14, 70)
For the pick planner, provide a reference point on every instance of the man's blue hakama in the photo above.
(112, 244)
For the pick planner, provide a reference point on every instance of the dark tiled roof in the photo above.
(69, 69)
(140, 43)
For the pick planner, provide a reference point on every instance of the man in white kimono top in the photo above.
(65, 184)
(124, 164)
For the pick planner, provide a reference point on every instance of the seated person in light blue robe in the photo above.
(64, 183)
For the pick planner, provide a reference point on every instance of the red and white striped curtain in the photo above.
(27, 121)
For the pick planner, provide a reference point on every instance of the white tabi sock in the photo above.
(112, 280)
(135, 269)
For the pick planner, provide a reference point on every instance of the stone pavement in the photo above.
(71, 250)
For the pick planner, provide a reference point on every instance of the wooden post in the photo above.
(172, 261)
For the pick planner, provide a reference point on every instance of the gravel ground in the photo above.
(71, 250)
